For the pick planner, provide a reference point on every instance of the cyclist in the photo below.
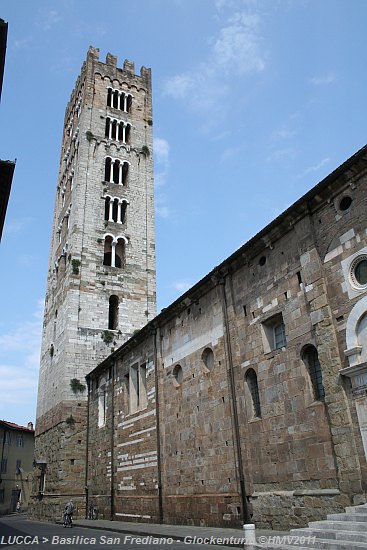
(68, 515)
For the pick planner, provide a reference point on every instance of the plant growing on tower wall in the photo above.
(70, 421)
(107, 336)
(75, 264)
(77, 386)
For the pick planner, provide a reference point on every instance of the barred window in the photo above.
(251, 381)
(311, 360)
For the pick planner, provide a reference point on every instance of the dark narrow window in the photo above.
(129, 103)
(107, 171)
(107, 129)
(107, 209)
(115, 210)
(120, 132)
(311, 359)
(251, 381)
(120, 253)
(123, 211)
(107, 251)
(114, 130)
(113, 312)
(116, 171)
(127, 133)
(109, 96)
(115, 99)
(125, 169)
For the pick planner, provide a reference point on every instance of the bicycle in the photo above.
(68, 520)
(93, 512)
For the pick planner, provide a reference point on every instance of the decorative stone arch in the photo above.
(114, 250)
(356, 317)
(356, 352)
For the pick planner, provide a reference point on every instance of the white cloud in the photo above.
(19, 377)
(161, 156)
(235, 51)
(17, 225)
(161, 150)
(316, 167)
(181, 286)
(229, 153)
(280, 155)
(323, 80)
(163, 212)
(48, 19)
(282, 134)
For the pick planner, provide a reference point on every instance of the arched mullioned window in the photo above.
(115, 209)
(251, 381)
(116, 171)
(119, 100)
(117, 130)
(114, 251)
(311, 359)
(113, 311)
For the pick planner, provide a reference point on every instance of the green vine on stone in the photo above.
(75, 265)
(89, 135)
(77, 386)
(145, 150)
(70, 421)
(107, 336)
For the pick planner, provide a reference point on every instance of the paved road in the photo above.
(16, 530)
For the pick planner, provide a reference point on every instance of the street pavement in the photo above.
(17, 530)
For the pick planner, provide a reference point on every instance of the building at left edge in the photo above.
(16, 467)
(6, 166)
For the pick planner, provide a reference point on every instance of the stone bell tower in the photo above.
(101, 275)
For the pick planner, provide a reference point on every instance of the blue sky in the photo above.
(255, 101)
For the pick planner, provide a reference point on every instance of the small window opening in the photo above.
(207, 358)
(107, 251)
(107, 209)
(115, 210)
(115, 99)
(251, 381)
(299, 277)
(178, 375)
(345, 203)
(120, 253)
(262, 260)
(123, 211)
(113, 312)
(311, 360)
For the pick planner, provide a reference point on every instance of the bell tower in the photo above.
(101, 274)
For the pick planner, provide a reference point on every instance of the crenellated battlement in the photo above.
(112, 60)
